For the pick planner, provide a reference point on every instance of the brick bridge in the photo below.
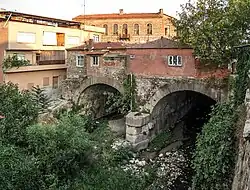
(165, 92)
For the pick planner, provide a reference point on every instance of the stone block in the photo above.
(136, 119)
(246, 132)
(133, 130)
(141, 145)
(136, 138)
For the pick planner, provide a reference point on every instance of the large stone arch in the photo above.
(215, 93)
(97, 80)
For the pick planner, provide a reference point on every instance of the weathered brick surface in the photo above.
(3, 46)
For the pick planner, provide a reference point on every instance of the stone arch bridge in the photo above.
(158, 99)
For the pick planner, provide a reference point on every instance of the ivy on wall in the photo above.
(123, 103)
(214, 158)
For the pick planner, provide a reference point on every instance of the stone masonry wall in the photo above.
(242, 169)
(158, 28)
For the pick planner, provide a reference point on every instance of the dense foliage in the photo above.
(214, 156)
(14, 61)
(214, 27)
(123, 102)
(40, 98)
(19, 111)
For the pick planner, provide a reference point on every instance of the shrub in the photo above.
(19, 110)
(214, 155)
(17, 170)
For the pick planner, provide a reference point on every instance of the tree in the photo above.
(19, 112)
(214, 27)
(14, 61)
(40, 98)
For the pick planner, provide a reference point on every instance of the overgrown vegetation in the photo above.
(40, 98)
(13, 61)
(73, 153)
(123, 102)
(214, 157)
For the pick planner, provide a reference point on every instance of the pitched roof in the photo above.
(162, 43)
(118, 16)
(100, 46)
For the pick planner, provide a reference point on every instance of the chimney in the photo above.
(161, 11)
(121, 11)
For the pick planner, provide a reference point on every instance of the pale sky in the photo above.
(67, 9)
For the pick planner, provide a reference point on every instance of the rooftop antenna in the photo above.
(84, 4)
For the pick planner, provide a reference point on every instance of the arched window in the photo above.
(106, 29)
(115, 29)
(124, 29)
(136, 29)
(149, 29)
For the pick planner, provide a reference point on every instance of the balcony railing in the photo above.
(124, 36)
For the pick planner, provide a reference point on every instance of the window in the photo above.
(96, 38)
(124, 29)
(95, 60)
(55, 82)
(26, 37)
(174, 60)
(106, 29)
(80, 61)
(167, 31)
(149, 29)
(136, 29)
(49, 38)
(53, 39)
(115, 29)
(73, 40)
(46, 81)
(19, 56)
(60, 38)
(38, 57)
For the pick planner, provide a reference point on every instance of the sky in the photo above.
(67, 9)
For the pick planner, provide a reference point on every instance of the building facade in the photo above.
(96, 59)
(132, 27)
(42, 41)
(159, 58)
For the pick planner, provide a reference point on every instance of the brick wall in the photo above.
(158, 25)
(3, 46)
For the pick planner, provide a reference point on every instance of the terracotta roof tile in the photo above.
(119, 16)
(162, 43)
(100, 45)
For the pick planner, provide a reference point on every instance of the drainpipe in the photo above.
(7, 20)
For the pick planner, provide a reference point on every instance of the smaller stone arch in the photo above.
(219, 95)
(97, 80)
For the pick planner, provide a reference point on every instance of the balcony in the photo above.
(124, 36)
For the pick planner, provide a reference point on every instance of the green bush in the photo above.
(62, 150)
(14, 61)
(19, 110)
(17, 169)
(214, 156)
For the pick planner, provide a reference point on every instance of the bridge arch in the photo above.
(217, 94)
(90, 81)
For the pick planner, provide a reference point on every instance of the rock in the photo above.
(174, 146)
(148, 155)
